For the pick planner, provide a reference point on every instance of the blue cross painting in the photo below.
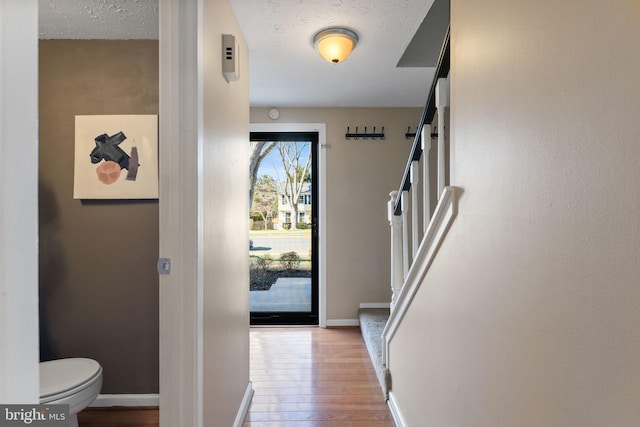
(116, 157)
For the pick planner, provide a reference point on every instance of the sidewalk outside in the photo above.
(287, 294)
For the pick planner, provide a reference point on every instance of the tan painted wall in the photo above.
(225, 210)
(529, 315)
(98, 288)
(359, 176)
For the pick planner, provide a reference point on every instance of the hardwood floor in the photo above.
(316, 377)
(302, 377)
(119, 417)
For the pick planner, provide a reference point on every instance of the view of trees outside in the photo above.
(277, 169)
(258, 150)
(265, 199)
(296, 170)
(279, 248)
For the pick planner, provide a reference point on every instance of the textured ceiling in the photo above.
(285, 70)
(98, 19)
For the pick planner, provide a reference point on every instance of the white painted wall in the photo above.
(18, 201)
(204, 302)
(530, 313)
(225, 184)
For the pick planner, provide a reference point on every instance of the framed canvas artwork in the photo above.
(116, 157)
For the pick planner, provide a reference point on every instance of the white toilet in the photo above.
(75, 382)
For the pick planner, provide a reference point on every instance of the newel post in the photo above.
(397, 272)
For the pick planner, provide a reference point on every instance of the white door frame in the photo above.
(19, 356)
(180, 207)
(321, 128)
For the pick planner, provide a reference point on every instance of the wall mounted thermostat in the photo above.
(230, 60)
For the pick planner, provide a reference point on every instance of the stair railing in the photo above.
(416, 228)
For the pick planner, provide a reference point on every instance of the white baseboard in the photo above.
(244, 406)
(395, 412)
(108, 400)
(280, 326)
(335, 323)
(375, 305)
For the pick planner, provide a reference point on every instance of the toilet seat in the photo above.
(67, 377)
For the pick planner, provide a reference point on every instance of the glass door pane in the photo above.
(283, 234)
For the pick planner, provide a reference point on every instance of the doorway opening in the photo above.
(283, 245)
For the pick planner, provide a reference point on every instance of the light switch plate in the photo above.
(230, 60)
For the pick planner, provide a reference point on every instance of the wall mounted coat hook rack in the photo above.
(366, 135)
(409, 134)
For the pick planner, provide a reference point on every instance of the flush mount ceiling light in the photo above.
(335, 44)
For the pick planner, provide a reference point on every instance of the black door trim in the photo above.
(298, 318)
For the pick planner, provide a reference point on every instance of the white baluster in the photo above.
(425, 137)
(397, 274)
(442, 102)
(415, 206)
(404, 202)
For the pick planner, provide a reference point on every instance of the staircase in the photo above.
(419, 214)
(372, 323)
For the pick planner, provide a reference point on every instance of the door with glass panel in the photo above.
(283, 284)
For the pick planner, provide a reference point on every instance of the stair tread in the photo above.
(372, 323)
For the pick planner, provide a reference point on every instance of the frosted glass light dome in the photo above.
(335, 44)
